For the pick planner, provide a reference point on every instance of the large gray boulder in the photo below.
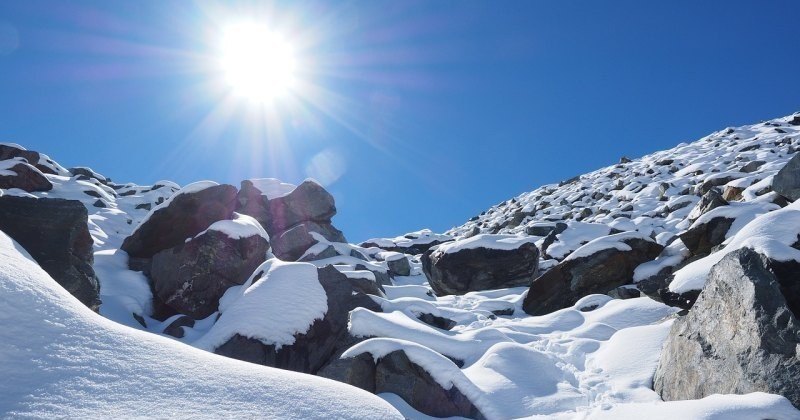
(313, 349)
(25, 177)
(186, 215)
(579, 275)
(56, 234)
(461, 269)
(787, 181)
(191, 277)
(741, 336)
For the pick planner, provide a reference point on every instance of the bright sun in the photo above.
(258, 64)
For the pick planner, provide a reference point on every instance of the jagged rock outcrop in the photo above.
(602, 270)
(186, 215)
(191, 277)
(741, 336)
(313, 349)
(55, 233)
(787, 181)
(481, 264)
(23, 176)
(701, 238)
(291, 244)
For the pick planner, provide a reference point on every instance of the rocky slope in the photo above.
(555, 303)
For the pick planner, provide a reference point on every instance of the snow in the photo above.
(273, 309)
(615, 241)
(500, 242)
(594, 364)
(59, 359)
(242, 226)
(756, 405)
(272, 188)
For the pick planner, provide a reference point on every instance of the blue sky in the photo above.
(419, 114)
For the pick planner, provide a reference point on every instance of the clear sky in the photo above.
(414, 114)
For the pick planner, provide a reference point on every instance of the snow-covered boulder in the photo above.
(86, 173)
(40, 161)
(55, 233)
(597, 267)
(191, 278)
(185, 214)
(59, 359)
(426, 380)
(482, 262)
(742, 335)
(288, 315)
(16, 173)
(713, 227)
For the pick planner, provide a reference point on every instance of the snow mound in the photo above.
(273, 308)
(59, 359)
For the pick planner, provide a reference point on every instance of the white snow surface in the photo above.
(272, 188)
(285, 301)
(607, 242)
(242, 226)
(60, 359)
(501, 242)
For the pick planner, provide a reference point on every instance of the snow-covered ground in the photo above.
(593, 360)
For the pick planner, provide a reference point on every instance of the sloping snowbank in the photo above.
(57, 358)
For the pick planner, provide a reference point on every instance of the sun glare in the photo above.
(258, 64)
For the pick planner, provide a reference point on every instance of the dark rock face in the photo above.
(325, 337)
(572, 279)
(185, 216)
(191, 278)
(741, 336)
(467, 270)
(399, 266)
(56, 234)
(395, 373)
(702, 238)
(291, 244)
(309, 201)
(544, 230)
(27, 178)
(787, 181)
